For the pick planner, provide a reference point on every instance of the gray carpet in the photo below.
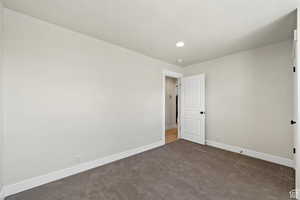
(178, 171)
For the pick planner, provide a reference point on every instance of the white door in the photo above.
(295, 103)
(193, 108)
(297, 99)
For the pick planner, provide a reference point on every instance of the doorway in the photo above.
(171, 106)
(171, 94)
(190, 114)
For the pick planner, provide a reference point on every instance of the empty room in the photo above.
(149, 100)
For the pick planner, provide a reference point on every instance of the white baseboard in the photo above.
(53, 176)
(254, 154)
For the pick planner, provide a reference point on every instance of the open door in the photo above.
(297, 104)
(295, 113)
(193, 108)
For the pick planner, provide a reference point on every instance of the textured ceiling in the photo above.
(209, 28)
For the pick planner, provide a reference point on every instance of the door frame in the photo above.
(167, 73)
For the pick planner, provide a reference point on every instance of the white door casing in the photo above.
(193, 108)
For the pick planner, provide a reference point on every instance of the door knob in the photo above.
(201, 112)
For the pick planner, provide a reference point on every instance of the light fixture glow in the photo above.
(179, 44)
(180, 60)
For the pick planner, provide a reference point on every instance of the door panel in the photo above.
(193, 108)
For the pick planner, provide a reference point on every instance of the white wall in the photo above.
(1, 118)
(170, 96)
(69, 95)
(249, 99)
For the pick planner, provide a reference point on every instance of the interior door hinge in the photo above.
(295, 35)
(294, 150)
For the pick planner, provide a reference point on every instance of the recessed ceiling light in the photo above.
(179, 44)
(180, 60)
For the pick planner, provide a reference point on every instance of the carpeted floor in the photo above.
(178, 171)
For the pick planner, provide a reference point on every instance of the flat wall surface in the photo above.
(249, 99)
(70, 98)
(1, 112)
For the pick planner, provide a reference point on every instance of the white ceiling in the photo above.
(209, 28)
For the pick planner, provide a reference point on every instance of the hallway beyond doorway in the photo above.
(171, 135)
